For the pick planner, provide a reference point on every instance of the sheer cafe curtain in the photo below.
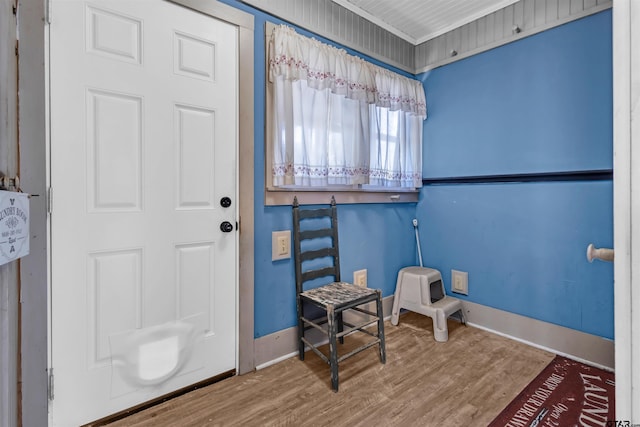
(339, 120)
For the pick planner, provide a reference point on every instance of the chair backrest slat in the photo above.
(314, 234)
(314, 213)
(327, 245)
(321, 272)
(318, 253)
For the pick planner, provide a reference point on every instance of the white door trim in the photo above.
(626, 196)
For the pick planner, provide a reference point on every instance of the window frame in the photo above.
(276, 196)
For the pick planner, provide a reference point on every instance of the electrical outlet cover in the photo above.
(360, 278)
(460, 282)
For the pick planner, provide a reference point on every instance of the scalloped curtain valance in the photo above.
(296, 57)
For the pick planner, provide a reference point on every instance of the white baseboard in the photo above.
(580, 346)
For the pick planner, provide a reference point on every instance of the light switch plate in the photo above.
(280, 245)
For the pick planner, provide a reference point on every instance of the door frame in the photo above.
(9, 285)
(626, 196)
(34, 145)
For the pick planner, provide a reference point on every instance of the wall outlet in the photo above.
(460, 282)
(280, 245)
(360, 278)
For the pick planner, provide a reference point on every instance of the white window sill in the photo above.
(280, 196)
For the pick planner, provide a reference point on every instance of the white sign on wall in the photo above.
(14, 226)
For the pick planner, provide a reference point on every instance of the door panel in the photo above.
(144, 126)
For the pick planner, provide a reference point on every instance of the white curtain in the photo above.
(339, 120)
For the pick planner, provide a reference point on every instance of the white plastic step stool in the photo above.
(420, 289)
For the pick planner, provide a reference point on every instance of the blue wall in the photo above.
(378, 237)
(542, 104)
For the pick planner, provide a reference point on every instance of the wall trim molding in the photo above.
(580, 346)
(587, 175)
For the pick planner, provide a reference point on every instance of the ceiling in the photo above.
(417, 21)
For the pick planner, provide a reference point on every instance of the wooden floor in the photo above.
(466, 381)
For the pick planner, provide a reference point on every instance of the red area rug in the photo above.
(566, 393)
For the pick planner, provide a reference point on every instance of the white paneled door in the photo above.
(144, 124)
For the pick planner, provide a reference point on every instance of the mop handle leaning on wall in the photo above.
(415, 227)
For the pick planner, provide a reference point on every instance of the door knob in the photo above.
(226, 227)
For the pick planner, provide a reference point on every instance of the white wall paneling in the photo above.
(331, 20)
(495, 29)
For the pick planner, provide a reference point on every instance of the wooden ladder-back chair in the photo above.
(315, 240)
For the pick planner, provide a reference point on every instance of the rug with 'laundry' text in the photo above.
(566, 393)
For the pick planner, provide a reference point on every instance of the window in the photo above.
(338, 123)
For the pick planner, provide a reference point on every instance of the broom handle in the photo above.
(415, 227)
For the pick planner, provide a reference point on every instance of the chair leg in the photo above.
(340, 327)
(383, 354)
(300, 342)
(333, 346)
(300, 330)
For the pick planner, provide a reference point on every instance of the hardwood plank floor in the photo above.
(466, 381)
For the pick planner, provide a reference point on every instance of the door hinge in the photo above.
(17, 47)
(49, 200)
(50, 384)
